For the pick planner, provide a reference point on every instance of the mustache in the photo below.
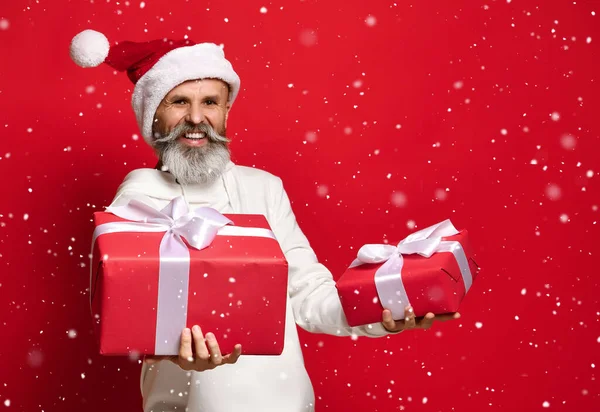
(178, 130)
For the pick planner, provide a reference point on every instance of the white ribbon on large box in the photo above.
(388, 277)
(199, 227)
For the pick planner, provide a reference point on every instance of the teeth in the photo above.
(195, 135)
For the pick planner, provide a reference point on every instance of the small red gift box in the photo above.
(144, 292)
(431, 270)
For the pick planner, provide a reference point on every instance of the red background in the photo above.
(490, 155)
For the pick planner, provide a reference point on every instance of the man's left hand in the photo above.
(412, 322)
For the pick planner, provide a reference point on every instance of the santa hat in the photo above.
(155, 67)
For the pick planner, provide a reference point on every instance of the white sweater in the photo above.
(254, 383)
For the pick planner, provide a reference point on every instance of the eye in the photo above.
(180, 101)
(209, 102)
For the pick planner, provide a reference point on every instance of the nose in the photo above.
(194, 114)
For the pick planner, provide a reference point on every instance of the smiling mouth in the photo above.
(194, 136)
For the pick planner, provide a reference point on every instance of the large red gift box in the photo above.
(237, 290)
(430, 284)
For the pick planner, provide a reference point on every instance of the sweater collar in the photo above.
(163, 185)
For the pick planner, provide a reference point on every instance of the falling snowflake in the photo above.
(72, 333)
(310, 137)
(134, 355)
(546, 404)
(411, 224)
(263, 10)
(458, 84)
(478, 325)
(371, 21)
(308, 37)
(568, 141)
(441, 194)
(4, 25)
(553, 192)
(322, 190)
(555, 116)
(564, 218)
(398, 199)
(35, 358)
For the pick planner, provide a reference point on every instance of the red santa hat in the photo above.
(155, 67)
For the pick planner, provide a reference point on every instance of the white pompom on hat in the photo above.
(155, 67)
(89, 48)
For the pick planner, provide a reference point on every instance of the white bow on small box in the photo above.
(388, 277)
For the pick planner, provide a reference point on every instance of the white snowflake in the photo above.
(568, 141)
(398, 199)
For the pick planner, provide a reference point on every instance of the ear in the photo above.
(227, 113)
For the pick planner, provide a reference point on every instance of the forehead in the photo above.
(202, 87)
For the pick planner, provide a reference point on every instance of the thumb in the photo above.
(151, 360)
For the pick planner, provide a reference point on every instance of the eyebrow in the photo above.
(181, 97)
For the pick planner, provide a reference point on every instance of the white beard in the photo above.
(191, 165)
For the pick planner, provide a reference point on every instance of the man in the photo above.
(182, 97)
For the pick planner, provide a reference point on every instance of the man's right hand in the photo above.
(203, 359)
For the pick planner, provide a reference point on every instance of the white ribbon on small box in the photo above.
(199, 227)
(425, 242)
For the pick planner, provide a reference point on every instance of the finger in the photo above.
(185, 347)
(427, 321)
(409, 318)
(215, 352)
(233, 356)
(446, 317)
(151, 360)
(388, 321)
(200, 344)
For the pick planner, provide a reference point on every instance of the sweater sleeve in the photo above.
(311, 288)
(165, 387)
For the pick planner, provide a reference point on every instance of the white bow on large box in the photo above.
(199, 227)
(388, 277)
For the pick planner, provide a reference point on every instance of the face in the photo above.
(189, 130)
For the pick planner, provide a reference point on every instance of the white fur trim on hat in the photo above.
(89, 48)
(200, 61)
